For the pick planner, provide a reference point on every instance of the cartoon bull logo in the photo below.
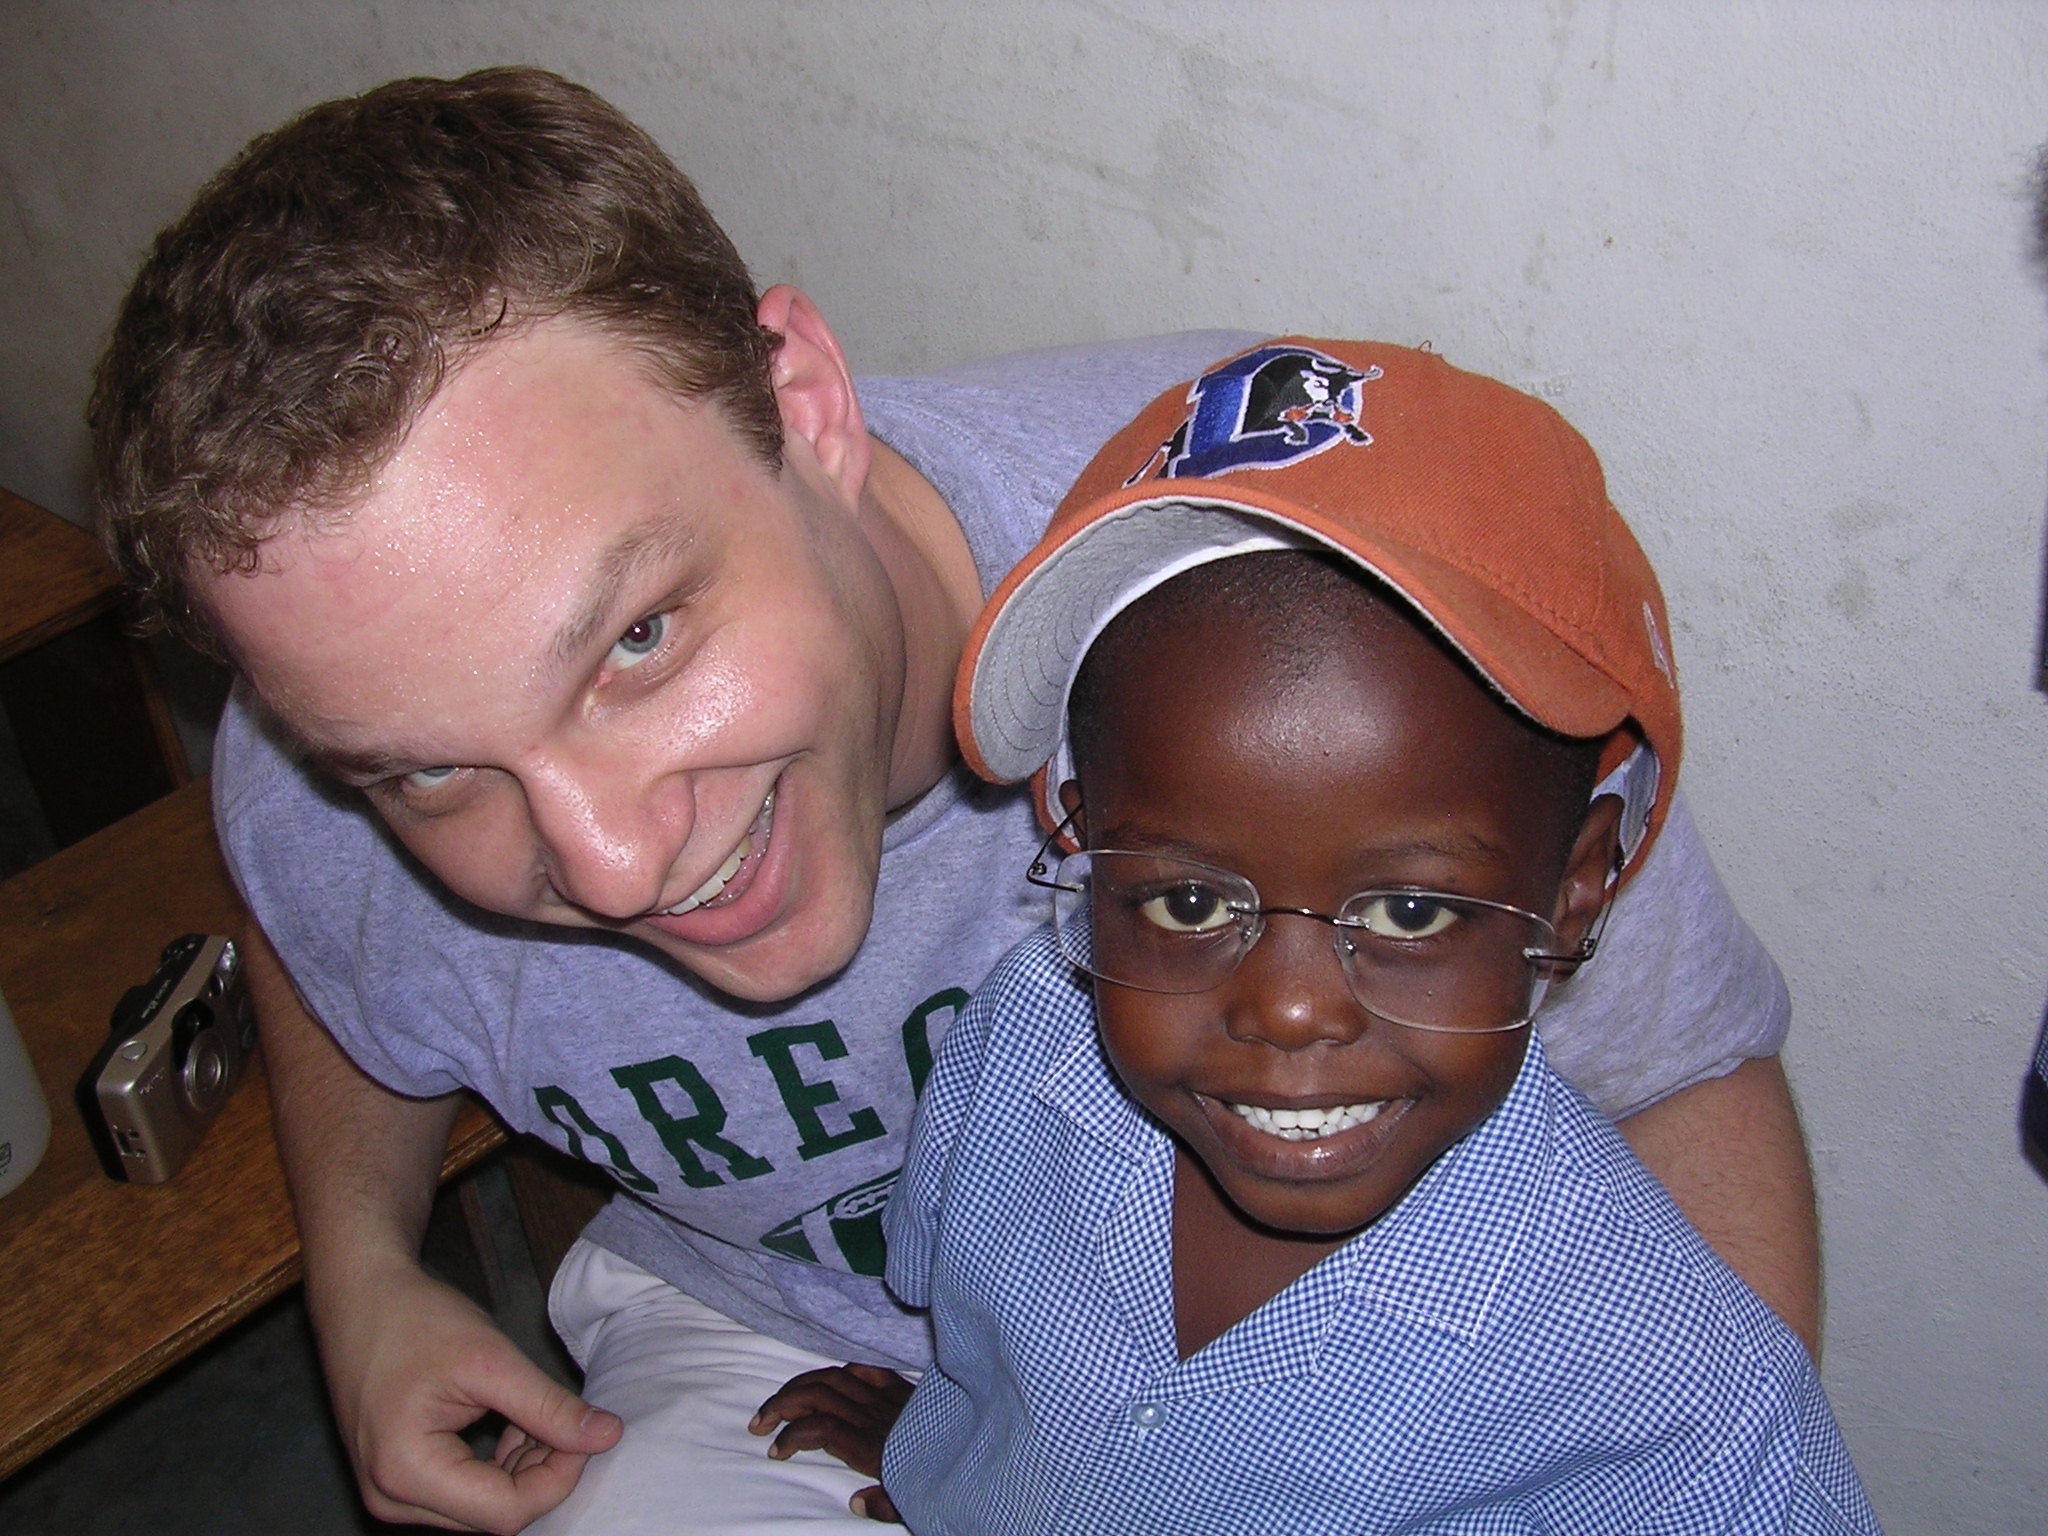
(1274, 405)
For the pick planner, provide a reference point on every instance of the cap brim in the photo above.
(1033, 643)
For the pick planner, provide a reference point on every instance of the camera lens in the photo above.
(206, 1072)
(201, 1058)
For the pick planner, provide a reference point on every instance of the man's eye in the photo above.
(1402, 916)
(427, 778)
(1189, 908)
(640, 641)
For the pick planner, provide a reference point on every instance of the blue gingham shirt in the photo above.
(1532, 1340)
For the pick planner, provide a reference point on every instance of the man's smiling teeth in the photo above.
(710, 888)
(1308, 1124)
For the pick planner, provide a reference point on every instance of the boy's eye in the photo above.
(640, 641)
(1398, 915)
(427, 778)
(1188, 908)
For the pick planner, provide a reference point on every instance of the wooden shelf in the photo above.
(53, 577)
(88, 716)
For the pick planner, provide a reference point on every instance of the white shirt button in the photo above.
(1147, 1415)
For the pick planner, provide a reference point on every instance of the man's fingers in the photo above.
(421, 1487)
(430, 1475)
(397, 1512)
(473, 1495)
(445, 1473)
(549, 1433)
(517, 1449)
(543, 1408)
(547, 1479)
(523, 1480)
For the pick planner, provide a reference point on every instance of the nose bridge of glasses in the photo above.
(1254, 921)
(1485, 976)
(1292, 991)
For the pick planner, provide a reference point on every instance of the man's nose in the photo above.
(607, 837)
(1291, 992)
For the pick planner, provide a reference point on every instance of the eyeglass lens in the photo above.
(1420, 958)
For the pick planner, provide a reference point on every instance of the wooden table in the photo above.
(104, 1284)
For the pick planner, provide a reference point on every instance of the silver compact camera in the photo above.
(176, 1050)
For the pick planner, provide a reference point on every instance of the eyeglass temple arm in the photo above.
(1036, 871)
(1590, 942)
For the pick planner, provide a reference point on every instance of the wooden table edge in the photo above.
(59, 623)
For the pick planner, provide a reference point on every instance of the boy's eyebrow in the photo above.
(646, 543)
(1455, 845)
(1458, 845)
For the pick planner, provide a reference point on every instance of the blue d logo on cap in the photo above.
(1271, 407)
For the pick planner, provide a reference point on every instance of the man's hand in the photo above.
(410, 1362)
(411, 1373)
(847, 1410)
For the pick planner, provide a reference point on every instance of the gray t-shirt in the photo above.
(758, 1142)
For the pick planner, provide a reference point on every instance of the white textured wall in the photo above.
(1771, 258)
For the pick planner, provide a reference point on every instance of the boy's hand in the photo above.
(845, 1409)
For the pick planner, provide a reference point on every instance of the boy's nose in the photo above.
(1290, 991)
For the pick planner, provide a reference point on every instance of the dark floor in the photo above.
(239, 1439)
(236, 1439)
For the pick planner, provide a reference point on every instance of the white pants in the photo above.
(686, 1380)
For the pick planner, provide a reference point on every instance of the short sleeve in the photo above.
(912, 1219)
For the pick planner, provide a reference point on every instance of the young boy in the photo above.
(1355, 698)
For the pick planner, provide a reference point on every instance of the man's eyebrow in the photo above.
(345, 763)
(357, 769)
(647, 543)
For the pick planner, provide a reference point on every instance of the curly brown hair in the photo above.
(285, 332)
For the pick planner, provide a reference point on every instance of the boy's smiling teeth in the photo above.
(710, 889)
(1307, 1124)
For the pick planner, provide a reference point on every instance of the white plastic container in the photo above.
(24, 1112)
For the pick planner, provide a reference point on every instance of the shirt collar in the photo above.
(1440, 1257)
(1081, 1085)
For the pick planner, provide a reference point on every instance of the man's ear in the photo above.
(814, 390)
(1589, 882)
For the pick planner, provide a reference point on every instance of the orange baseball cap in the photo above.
(1477, 503)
